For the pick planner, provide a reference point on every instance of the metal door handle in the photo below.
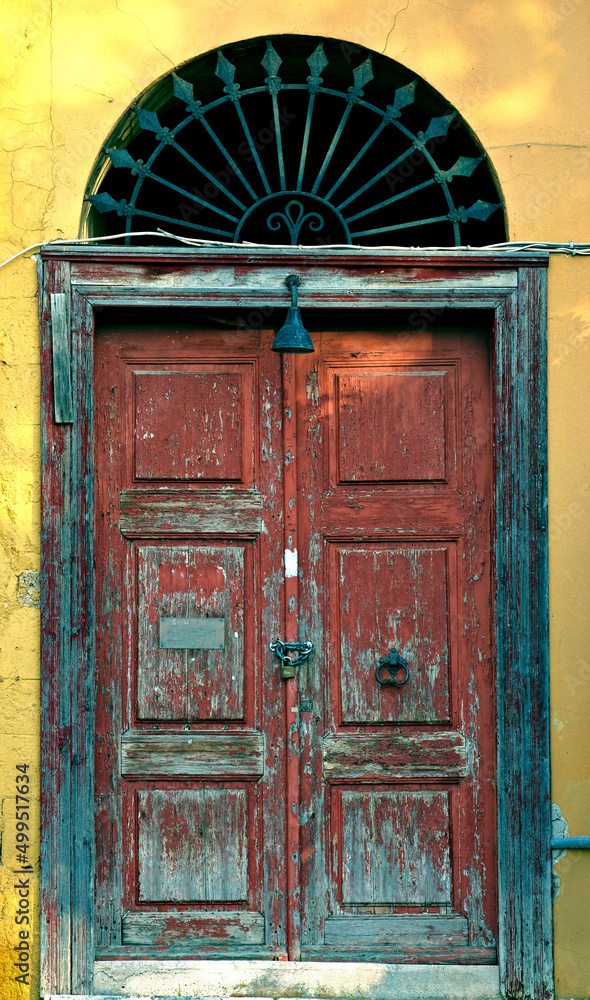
(392, 663)
(288, 663)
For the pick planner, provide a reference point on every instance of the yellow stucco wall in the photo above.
(518, 72)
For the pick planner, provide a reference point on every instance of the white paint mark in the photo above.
(290, 563)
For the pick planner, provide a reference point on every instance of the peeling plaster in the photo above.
(558, 829)
(28, 591)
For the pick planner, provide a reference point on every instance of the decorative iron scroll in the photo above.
(338, 169)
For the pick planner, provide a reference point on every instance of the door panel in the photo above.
(194, 423)
(395, 847)
(397, 791)
(395, 596)
(432, 930)
(192, 845)
(154, 930)
(394, 424)
(191, 586)
(391, 426)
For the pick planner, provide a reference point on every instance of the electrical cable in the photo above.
(571, 249)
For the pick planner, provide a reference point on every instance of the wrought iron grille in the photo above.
(326, 153)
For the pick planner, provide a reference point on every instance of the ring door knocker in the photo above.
(392, 664)
(288, 663)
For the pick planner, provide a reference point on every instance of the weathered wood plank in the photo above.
(192, 845)
(392, 514)
(57, 547)
(391, 756)
(521, 601)
(272, 695)
(162, 954)
(82, 628)
(428, 296)
(186, 512)
(195, 930)
(395, 848)
(62, 360)
(163, 260)
(290, 476)
(114, 580)
(203, 755)
(67, 623)
(398, 930)
(447, 955)
(213, 277)
(162, 675)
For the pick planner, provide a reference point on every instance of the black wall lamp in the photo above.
(293, 338)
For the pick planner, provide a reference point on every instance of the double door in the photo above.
(340, 498)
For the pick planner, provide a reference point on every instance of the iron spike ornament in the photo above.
(293, 338)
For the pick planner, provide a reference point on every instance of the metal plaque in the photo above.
(192, 633)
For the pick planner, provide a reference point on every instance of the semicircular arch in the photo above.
(295, 140)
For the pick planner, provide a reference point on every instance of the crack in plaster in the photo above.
(400, 11)
(45, 213)
(551, 145)
(509, 180)
(12, 205)
(89, 90)
(437, 3)
(149, 37)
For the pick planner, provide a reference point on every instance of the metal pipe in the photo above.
(570, 843)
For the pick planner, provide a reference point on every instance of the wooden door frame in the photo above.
(75, 283)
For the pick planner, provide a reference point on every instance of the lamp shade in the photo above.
(293, 338)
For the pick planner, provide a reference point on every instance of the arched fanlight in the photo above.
(324, 153)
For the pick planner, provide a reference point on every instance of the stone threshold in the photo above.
(267, 980)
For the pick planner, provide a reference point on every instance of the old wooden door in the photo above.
(379, 844)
